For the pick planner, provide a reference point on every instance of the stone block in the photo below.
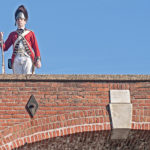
(121, 115)
(119, 96)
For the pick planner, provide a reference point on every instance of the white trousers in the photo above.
(22, 65)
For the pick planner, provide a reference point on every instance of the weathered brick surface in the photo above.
(100, 140)
(68, 104)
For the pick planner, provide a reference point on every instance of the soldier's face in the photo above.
(21, 23)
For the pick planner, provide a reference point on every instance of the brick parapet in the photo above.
(71, 101)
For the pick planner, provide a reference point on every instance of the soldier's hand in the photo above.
(38, 64)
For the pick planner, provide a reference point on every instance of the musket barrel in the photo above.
(3, 61)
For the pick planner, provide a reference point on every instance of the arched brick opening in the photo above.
(94, 140)
(54, 126)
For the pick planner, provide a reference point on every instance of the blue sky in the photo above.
(86, 36)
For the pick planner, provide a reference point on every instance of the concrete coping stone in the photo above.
(73, 77)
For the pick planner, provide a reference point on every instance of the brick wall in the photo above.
(68, 104)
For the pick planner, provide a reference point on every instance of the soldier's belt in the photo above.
(20, 54)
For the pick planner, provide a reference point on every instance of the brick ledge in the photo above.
(74, 77)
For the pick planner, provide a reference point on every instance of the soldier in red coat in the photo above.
(26, 54)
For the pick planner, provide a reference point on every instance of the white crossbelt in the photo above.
(20, 36)
(21, 48)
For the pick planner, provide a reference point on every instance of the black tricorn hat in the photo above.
(22, 9)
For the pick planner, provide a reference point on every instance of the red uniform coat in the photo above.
(30, 37)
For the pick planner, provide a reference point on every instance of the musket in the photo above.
(3, 61)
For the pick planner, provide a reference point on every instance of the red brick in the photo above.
(61, 133)
(68, 131)
(93, 128)
(72, 130)
(90, 128)
(32, 138)
(79, 129)
(39, 136)
(46, 135)
(57, 133)
(86, 128)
